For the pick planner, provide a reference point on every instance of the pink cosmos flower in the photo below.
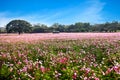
(42, 68)
(63, 60)
(97, 78)
(4, 55)
(24, 69)
(116, 69)
(74, 75)
(11, 64)
(108, 71)
(87, 70)
(26, 61)
(19, 55)
(19, 63)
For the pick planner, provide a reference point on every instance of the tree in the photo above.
(55, 26)
(58, 27)
(18, 26)
(2, 30)
(39, 28)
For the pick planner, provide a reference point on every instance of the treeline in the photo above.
(77, 27)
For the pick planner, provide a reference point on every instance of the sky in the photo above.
(59, 11)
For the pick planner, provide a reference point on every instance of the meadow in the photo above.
(63, 56)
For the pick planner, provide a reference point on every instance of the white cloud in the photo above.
(93, 13)
(32, 18)
(3, 19)
(90, 12)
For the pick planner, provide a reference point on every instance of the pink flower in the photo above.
(42, 69)
(24, 69)
(97, 78)
(85, 78)
(63, 60)
(11, 64)
(87, 70)
(26, 61)
(19, 63)
(116, 69)
(95, 65)
(37, 65)
(63, 69)
(4, 55)
(19, 55)
(108, 71)
(74, 75)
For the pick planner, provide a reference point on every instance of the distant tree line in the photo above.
(22, 26)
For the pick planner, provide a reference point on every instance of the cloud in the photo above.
(3, 19)
(93, 12)
(49, 18)
(32, 18)
(89, 11)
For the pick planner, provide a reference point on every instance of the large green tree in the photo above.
(18, 26)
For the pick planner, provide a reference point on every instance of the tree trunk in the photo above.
(19, 32)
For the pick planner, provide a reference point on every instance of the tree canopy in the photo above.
(81, 27)
(18, 26)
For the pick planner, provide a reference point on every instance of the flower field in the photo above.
(63, 56)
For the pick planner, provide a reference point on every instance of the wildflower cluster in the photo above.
(60, 59)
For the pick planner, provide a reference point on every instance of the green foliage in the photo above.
(81, 27)
(60, 59)
(18, 26)
(39, 28)
(23, 26)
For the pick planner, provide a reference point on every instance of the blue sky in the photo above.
(59, 11)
